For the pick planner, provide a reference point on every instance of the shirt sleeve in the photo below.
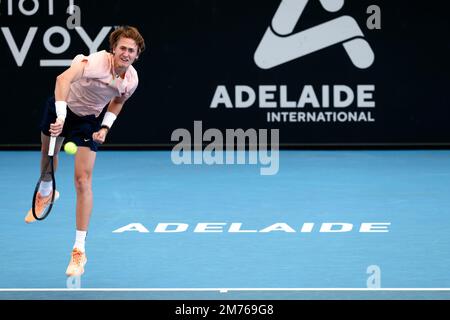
(97, 66)
(130, 92)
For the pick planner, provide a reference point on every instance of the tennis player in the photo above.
(81, 93)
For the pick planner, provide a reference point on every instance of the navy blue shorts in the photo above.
(76, 129)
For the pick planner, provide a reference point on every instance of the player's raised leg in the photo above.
(84, 166)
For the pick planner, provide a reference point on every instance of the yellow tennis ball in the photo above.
(70, 148)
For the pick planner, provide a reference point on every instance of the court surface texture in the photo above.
(347, 224)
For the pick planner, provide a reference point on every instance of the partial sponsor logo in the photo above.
(20, 47)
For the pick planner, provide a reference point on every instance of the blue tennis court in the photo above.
(319, 228)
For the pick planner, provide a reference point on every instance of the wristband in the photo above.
(108, 119)
(61, 109)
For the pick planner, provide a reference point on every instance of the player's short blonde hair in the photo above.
(127, 32)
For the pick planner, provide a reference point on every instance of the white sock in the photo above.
(45, 188)
(80, 239)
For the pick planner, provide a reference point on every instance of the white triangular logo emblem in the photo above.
(279, 45)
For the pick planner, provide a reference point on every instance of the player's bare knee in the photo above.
(83, 183)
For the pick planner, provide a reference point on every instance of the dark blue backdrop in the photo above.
(195, 46)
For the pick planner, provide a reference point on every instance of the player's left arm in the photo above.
(114, 108)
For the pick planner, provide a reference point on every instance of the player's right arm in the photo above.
(62, 88)
(65, 79)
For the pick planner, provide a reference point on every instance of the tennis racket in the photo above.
(47, 172)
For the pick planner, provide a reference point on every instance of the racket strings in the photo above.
(43, 204)
(46, 169)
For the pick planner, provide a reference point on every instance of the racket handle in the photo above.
(51, 146)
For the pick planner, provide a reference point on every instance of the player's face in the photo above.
(125, 52)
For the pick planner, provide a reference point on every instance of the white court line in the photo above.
(219, 289)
